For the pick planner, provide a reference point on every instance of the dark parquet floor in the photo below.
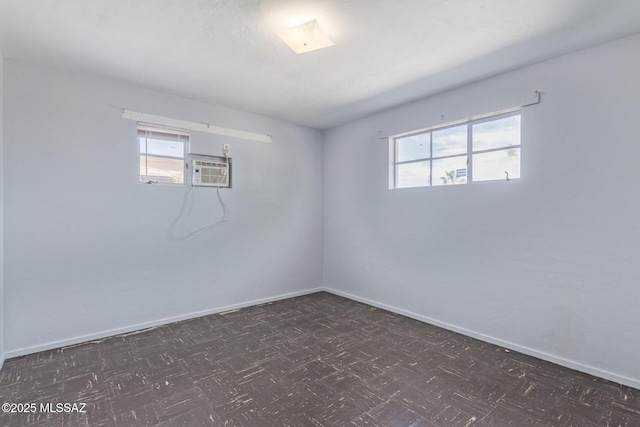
(315, 360)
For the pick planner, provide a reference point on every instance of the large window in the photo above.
(162, 154)
(487, 149)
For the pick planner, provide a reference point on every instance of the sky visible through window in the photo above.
(487, 135)
(450, 141)
(414, 147)
(496, 133)
(160, 147)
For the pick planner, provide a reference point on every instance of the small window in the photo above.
(487, 149)
(162, 155)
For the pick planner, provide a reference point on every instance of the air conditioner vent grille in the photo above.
(211, 173)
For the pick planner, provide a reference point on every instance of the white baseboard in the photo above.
(497, 341)
(506, 344)
(127, 329)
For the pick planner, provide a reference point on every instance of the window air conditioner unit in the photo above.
(211, 172)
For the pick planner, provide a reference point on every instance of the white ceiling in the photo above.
(226, 52)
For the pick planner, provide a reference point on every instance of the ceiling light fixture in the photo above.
(305, 37)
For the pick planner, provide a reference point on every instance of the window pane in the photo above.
(413, 175)
(451, 141)
(165, 171)
(492, 166)
(162, 147)
(496, 133)
(450, 171)
(413, 147)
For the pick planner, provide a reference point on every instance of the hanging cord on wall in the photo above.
(226, 213)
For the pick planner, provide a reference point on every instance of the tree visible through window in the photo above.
(487, 149)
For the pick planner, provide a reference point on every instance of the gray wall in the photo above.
(2, 324)
(548, 264)
(90, 252)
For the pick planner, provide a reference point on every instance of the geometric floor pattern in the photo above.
(314, 360)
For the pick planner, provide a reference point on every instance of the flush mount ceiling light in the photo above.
(305, 37)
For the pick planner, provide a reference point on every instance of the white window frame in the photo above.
(393, 149)
(182, 136)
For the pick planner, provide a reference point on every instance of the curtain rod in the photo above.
(535, 100)
(199, 127)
